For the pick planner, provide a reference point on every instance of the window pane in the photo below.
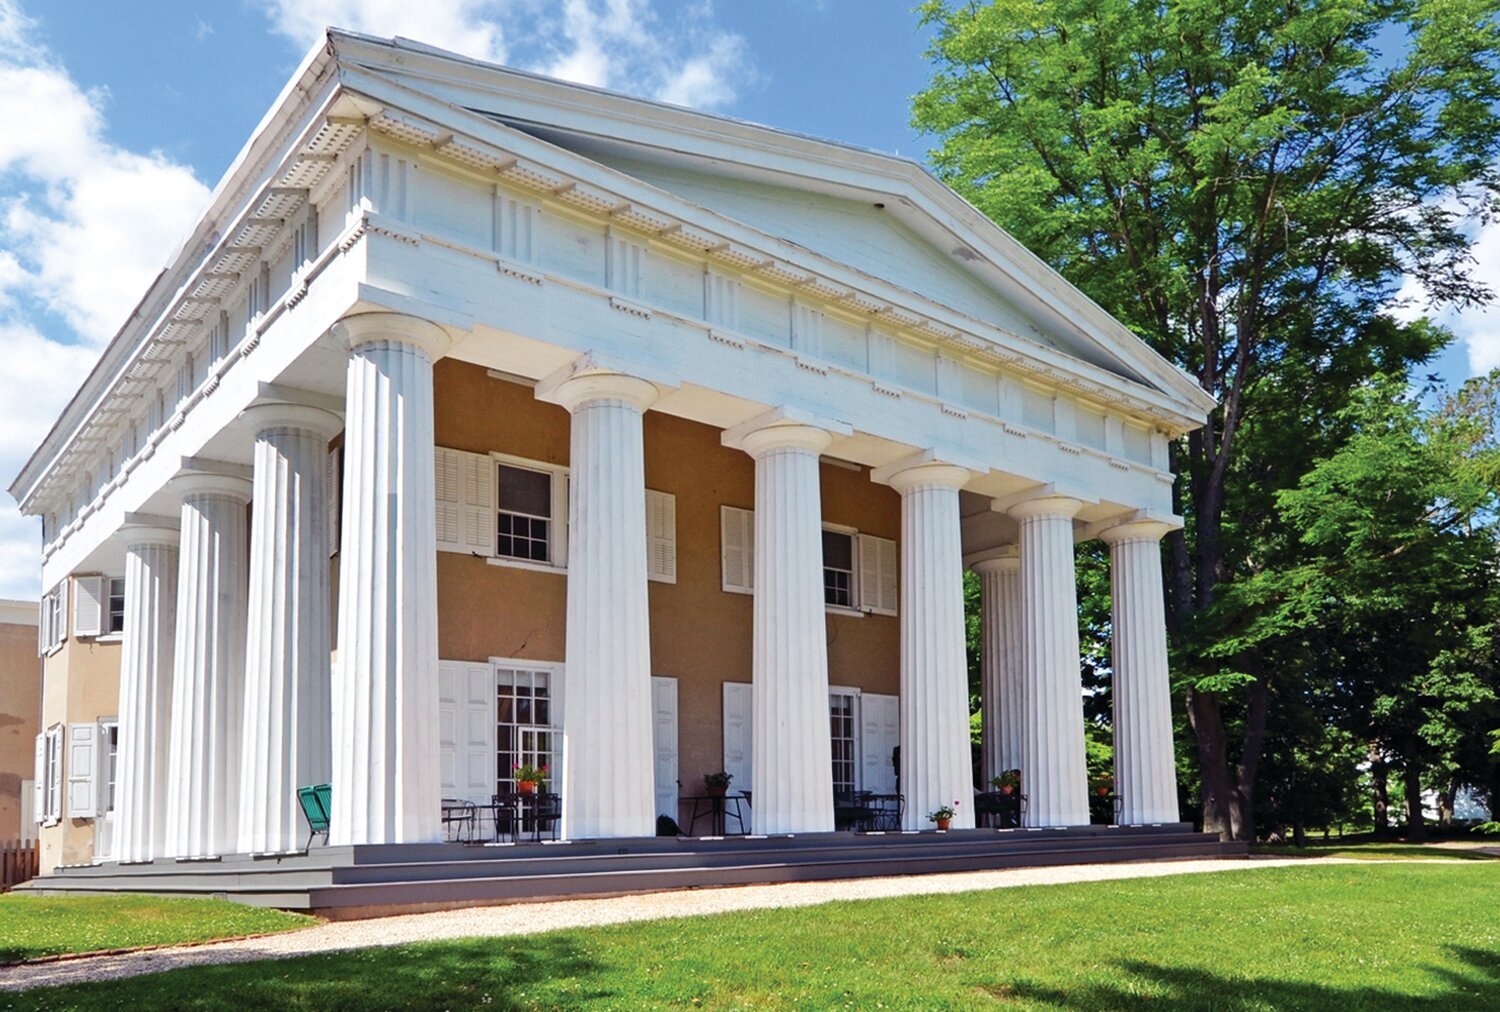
(838, 550)
(524, 491)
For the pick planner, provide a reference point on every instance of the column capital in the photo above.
(1043, 501)
(1139, 526)
(784, 427)
(365, 328)
(1006, 558)
(928, 469)
(589, 378)
(269, 416)
(149, 529)
(221, 481)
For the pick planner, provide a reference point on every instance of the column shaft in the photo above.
(288, 728)
(1054, 775)
(608, 762)
(209, 670)
(1145, 770)
(792, 751)
(386, 783)
(1001, 660)
(935, 759)
(145, 694)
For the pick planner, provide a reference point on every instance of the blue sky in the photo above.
(118, 118)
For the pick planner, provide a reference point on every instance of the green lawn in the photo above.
(32, 926)
(1345, 937)
(1376, 851)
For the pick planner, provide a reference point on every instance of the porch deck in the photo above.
(372, 881)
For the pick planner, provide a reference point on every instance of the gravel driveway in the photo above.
(530, 918)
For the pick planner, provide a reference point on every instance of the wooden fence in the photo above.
(18, 862)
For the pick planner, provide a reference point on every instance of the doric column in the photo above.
(145, 688)
(935, 763)
(386, 783)
(1001, 663)
(288, 728)
(1054, 775)
(608, 764)
(792, 751)
(208, 682)
(1145, 770)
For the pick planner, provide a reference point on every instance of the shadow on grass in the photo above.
(1375, 850)
(1474, 985)
(477, 974)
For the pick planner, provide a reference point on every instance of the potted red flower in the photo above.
(529, 778)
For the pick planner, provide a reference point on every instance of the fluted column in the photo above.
(1145, 768)
(1001, 662)
(935, 764)
(208, 682)
(1054, 775)
(792, 751)
(145, 689)
(386, 782)
(288, 732)
(608, 764)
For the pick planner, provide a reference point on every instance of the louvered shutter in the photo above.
(54, 774)
(39, 785)
(465, 492)
(479, 504)
(83, 768)
(661, 536)
(448, 480)
(879, 587)
(737, 548)
(88, 605)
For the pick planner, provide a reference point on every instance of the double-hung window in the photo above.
(838, 568)
(115, 619)
(525, 506)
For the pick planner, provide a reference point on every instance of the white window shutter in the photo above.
(737, 548)
(448, 481)
(880, 732)
(738, 711)
(335, 498)
(879, 587)
(479, 480)
(83, 766)
(88, 605)
(54, 774)
(450, 675)
(39, 785)
(661, 536)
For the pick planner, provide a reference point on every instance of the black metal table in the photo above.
(715, 807)
(516, 814)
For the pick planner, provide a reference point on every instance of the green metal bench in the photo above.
(317, 803)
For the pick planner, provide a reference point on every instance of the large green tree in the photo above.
(1246, 184)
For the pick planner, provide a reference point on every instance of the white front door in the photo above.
(466, 716)
(880, 727)
(664, 743)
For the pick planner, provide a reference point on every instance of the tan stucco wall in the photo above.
(700, 635)
(20, 708)
(81, 684)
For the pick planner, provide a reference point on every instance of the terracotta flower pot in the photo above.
(1007, 789)
(525, 787)
(943, 823)
(717, 792)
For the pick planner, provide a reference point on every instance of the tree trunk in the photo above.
(1416, 826)
(1447, 799)
(1380, 779)
(1299, 831)
(1242, 807)
(1213, 760)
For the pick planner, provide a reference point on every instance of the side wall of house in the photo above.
(20, 706)
(80, 684)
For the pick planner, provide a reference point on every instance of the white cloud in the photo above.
(84, 227)
(625, 45)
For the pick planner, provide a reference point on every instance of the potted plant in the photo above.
(1008, 782)
(717, 784)
(529, 778)
(943, 816)
(1104, 785)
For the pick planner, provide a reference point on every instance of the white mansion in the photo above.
(487, 419)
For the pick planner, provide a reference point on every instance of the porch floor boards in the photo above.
(367, 881)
